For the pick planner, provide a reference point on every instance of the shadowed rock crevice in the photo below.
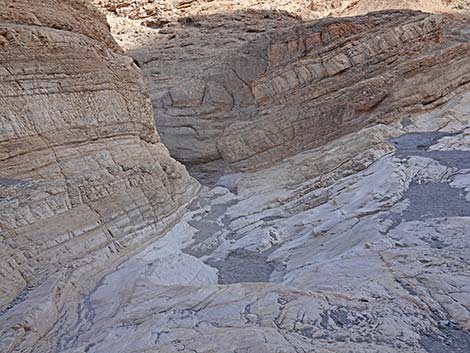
(241, 100)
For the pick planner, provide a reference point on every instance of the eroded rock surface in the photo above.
(352, 235)
(352, 259)
(84, 178)
(250, 87)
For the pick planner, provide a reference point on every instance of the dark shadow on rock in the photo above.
(451, 339)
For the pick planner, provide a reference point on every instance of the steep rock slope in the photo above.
(319, 83)
(247, 98)
(361, 7)
(344, 248)
(84, 178)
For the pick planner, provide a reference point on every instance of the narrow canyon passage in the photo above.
(249, 176)
(261, 262)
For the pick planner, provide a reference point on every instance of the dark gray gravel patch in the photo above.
(417, 141)
(241, 266)
(204, 230)
(435, 200)
(451, 339)
(202, 245)
(202, 249)
(207, 226)
(431, 200)
(452, 159)
(198, 203)
(217, 211)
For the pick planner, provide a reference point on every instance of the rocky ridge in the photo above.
(84, 178)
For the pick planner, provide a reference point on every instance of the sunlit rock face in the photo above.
(335, 211)
(249, 86)
(84, 178)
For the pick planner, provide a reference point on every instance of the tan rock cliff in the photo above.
(84, 178)
(249, 83)
(350, 236)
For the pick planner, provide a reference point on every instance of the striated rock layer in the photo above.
(322, 81)
(248, 98)
(344, 248)
(84, 178)
(356, 241)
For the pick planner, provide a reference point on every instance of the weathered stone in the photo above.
(85, 180)
(257, 98)
(342, 246)
(345, 259)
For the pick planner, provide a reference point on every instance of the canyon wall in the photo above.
(319, 82)
(84, 178)
(350, 235)
(250, 87)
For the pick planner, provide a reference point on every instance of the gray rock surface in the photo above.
(244, 84)
(84, 179)
(359, 261)
(345, 227)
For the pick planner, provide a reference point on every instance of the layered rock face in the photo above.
(344, 248)
(249, 99)
(320, 83)
(84, 178)
(351, 235)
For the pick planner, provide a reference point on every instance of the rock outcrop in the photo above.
(224, 91)
(344, 248)
(336, 213)
(166, 11)
(84, 178)
(361, 7)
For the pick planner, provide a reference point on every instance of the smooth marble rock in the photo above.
(362, 258)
